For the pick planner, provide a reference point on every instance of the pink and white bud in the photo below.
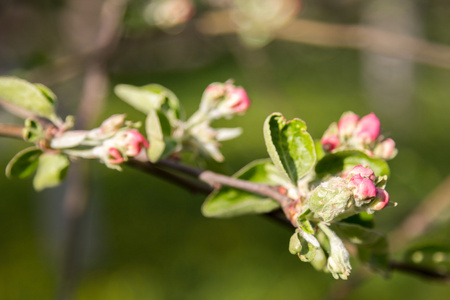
(347, 124)
(368, 128)
(214, 91)
(363, 188)
(114, 157)
(330, 142)
(133, 142)
(381, 200)
(237, 99)
(386, 149)
(362, 171)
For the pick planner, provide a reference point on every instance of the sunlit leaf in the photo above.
(289, 145)
(21, 93)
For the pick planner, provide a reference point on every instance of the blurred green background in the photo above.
(144, 238)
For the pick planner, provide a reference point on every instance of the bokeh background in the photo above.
(144, 238)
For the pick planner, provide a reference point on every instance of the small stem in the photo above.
(12, 131)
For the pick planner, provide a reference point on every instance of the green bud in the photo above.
(295, 245)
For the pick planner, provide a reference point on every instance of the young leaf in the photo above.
(230, 202)
(343, 160)
(290, 146)
(23, 163)
(149, 97)
(27, 96)
(52, 169)
(138, 97)
(170, 105)
(158, 131)
(372, 245)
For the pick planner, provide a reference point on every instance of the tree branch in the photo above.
(422, 217)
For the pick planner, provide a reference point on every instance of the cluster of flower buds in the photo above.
(353, 132)
(224, 100)
(356, 191)
(121, 146)
(219, 100)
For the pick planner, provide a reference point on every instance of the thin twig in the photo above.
(419, 271)
(12, 131)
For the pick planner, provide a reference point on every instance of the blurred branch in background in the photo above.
(93, 95)
(423, 217)
(341, 36)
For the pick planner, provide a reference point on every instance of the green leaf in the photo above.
(52, 169)
(290, 146)
(27, 96)
(372, 245)
(230, 202)
(343, 160)
(23, 163)
(150, 97)
(46, 92)
(138, 97)
(171, 104)
(158, 131)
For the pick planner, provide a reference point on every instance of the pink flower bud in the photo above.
(386, 149)
(362, 171)
(238, 100)
(381, 200)
(330, 142)
(347, 124)
(114, 156)
(134, 141)
(368, 128)
(363, 188)
(214, 91)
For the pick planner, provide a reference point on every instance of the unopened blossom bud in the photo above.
(133, 142)
(213, 92)
(363, 188)
(114, 157)
(368, 128)
(386, 149)
(360, 170)
(330, 142)
(381, 199)
(347, 124)
(237, 100)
